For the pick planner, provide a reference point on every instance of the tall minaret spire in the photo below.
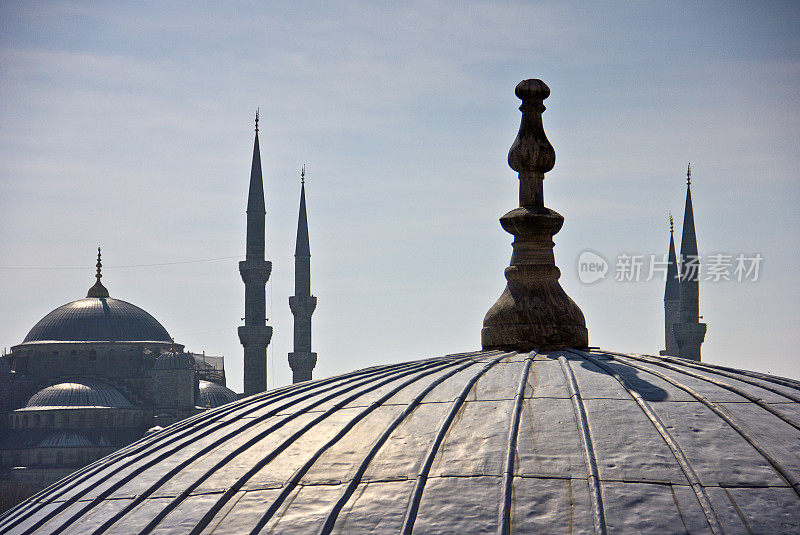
(671, 296)
(255, 270)
(302, 303)
(689, 332)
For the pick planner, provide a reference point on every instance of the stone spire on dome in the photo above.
(98, 290)
(533, 312)
(302, 303)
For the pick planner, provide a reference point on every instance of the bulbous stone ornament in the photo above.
(533, 312)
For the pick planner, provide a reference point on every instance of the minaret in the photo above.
(533, 312)
(302, 303)
(689, 332)
(672, 297)
(255, 334)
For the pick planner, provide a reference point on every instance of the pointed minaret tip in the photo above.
(689, 174)
(257, 120)
(671, 224)
(301, 247)
(98, 290)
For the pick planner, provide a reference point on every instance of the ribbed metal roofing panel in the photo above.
(98, 320)
(553, 442)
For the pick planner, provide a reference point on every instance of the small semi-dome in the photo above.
(65, 439)
(174, 360)
(211, 395)
(78, 393)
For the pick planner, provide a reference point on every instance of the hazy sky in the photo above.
(129, 125)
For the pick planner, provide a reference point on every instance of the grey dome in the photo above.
(78, 393)
(173, 360)
(95, 319)
(212, 395)
(547, 442)
(65, 439)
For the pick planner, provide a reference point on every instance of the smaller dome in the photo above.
(65, 439)
(172, 360)
(212, 395)
(80, 393)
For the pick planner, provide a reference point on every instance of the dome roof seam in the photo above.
(589, 456)
(300, 472)
(504, 519)
(707, 368)
(378, 372)
(749, 397)
(419, 486)
(680, 456)
(266, 459)
(362, 468)
(790, 479)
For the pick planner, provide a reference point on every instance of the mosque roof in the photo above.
(65, 439)
(213, 395)
(174, 360)
(78, 393)
(97, 318)
(552, 441)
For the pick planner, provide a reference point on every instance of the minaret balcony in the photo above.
(255, 335)
(302, 305)
(255, 271)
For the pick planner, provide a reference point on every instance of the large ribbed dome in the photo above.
(557, 442)
(98, 319)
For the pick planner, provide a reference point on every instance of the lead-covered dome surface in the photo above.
(553, 442)
(78, 393)
(212, 395)
(174, 360)
(98, 319)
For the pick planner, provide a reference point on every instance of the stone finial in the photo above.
(533, 312)
(98, 290)
(671, 224)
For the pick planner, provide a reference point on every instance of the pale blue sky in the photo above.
(129, 125)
